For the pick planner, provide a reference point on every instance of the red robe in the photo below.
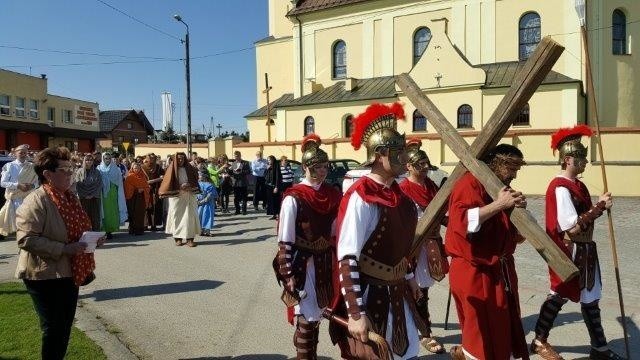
(420, 194)
(489, 315)
(580, 194)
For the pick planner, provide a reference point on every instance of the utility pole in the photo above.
(188, 80)
(219, 126)
(266, 91)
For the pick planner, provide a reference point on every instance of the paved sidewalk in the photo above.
(220, 299)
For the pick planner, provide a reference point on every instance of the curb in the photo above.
(96, 330)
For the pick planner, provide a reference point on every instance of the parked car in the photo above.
(437, 175)
(338, 168)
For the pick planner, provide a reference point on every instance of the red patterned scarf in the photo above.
(77, 222)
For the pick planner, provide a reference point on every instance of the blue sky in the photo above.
(222, 86)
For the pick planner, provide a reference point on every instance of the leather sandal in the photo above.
(179, 242)
(191, 243)
(544, 350)
(432, 345)
(457, 353)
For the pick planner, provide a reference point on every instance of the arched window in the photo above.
(619, 32)
(523, 117)
(348, 125)
(309, 125)
(421, 40)
(419, 121)
(529, 34)
(465, 117)
(339, 60)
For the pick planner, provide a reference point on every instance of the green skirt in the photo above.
(111, 212)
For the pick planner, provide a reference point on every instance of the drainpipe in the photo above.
(301, 69)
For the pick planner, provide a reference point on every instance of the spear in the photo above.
(580, 6)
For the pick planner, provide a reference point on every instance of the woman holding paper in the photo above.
(138, 195)
(52, 262)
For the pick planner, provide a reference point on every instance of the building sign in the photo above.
(85, 115)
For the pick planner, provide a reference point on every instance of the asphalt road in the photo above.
(220, 299)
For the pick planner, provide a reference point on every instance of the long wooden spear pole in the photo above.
(612, 237)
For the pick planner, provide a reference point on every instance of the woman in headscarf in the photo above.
(180, 185)
(206, 203)
(137, 193)
(114, 208)
(89, 190)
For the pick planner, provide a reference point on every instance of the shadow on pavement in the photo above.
(108, 246)
(152, 290)
(234, 242)
(529, 322)
(633, 332)
(251, 356)
(239, 232)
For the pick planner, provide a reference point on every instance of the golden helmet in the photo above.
(311, 152)
(376, 128)
(567, 141)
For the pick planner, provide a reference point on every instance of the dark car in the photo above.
(338, 168)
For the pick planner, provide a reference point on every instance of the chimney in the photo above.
(43, 76)
(350, 84)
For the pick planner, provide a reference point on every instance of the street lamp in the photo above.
(188, 78)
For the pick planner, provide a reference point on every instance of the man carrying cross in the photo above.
(570, 218)
(481, 241)
(376, 225)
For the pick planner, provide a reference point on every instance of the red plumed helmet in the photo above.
(565, 134)
(311, 139)
(414, 141)
(362, 124)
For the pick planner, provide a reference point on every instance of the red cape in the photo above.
(571, 288)
(419, 193)
(325, 200)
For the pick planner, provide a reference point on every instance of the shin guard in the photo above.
(548, 313)
(591, 316)
(305, 339)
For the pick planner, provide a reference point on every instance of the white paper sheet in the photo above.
(91, 239)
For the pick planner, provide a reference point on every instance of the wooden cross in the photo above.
(266, 91)
(523, 87)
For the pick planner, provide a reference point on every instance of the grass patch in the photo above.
(20, 336)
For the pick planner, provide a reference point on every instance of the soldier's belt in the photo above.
(386, 273)
(581, 237)
(318, 245)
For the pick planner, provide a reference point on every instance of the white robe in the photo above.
(182, 215)
(359, 222)
(14, 173)
(308, 307)
(567, 219)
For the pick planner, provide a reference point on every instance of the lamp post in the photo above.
(188, 78)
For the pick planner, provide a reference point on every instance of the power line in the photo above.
(139, 21)
(83, 53)
(91, 63)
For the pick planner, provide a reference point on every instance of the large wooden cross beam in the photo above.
(523, 87)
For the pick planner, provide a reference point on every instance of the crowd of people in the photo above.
(352, 258)
(349, 257)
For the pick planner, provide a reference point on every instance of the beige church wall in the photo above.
(404, 31)
(275, 59)
(258, 129)
(557, 18)
(324, 41)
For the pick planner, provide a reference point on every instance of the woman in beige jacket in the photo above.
(52, 262)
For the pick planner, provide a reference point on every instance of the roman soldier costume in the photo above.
(376, 225)
(303, 264)
(430, 264)
(570, 217)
